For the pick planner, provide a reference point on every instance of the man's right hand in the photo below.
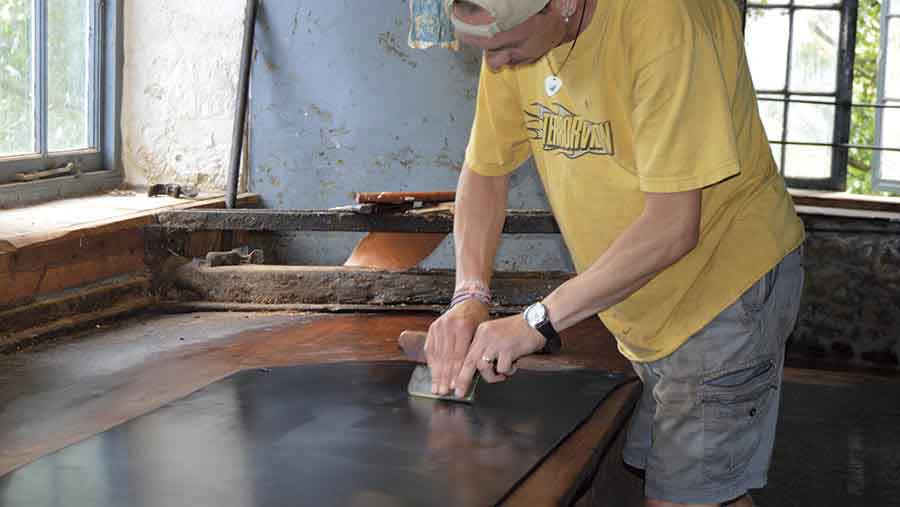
(448, 342)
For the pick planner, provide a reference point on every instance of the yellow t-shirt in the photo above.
(656, 97)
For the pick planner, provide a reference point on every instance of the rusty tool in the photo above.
(236, 257)
(404, 197)
(173, 190)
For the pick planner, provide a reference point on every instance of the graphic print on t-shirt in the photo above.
(568, 133)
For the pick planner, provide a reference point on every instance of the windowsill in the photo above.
(21, 227)
(844, 204)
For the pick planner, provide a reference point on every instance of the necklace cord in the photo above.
(577, 34)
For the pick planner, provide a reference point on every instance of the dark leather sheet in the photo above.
(340, 434)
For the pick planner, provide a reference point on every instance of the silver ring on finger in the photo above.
(492, 363)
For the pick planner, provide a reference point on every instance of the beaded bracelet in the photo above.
(471, 290)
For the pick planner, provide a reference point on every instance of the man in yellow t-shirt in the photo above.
(643, 123)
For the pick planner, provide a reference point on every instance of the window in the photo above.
(886, 164)
(57, 86)
(796, 49)
(814, 65)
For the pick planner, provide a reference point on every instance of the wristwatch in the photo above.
(538, 318)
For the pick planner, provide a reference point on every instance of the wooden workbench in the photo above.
(95, 387)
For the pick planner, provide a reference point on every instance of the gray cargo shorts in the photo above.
(704, 429)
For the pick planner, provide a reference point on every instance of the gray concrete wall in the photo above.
(342, 104)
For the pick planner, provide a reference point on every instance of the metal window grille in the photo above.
(87, 154)
(794, 96)
(886, 162)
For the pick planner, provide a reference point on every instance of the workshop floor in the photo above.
(837, 440)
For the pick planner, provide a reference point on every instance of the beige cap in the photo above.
(507, 15)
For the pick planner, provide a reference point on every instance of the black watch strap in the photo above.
(554, 343)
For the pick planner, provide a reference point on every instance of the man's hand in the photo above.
(448, 341)
(501, 342)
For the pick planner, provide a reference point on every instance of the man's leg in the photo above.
(714, 402)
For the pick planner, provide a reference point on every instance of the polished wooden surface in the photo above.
(54, 397)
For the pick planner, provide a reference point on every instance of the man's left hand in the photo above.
(496, 347)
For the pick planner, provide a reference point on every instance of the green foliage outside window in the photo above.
(865, 87)
(68, 80)
(16, 95)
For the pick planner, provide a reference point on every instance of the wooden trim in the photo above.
(68, 313)
(125, 221)
(14, 195)
(328, 285)
(563, 473)
(35, 265)
(844, 200)
(517, 221)
(404, 197)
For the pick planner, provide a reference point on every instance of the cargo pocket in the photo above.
(735, 405)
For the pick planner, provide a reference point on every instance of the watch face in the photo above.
(536, 314)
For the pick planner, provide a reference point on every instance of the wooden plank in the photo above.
(126, 221)
(350, 286)
(32, 323)
(517, 221)
(403, 197)
(816, 223)
(37, 265)
(843, 200)
(48, 268)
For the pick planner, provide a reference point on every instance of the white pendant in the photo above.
(552, 84)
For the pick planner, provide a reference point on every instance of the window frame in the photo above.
(843, 94)
(878, 183)
(100, 166)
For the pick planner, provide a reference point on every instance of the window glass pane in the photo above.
(817, 2)
(809, 123)
(892, 78)
(810, 162)
(16, 80)
(772, 114)
(890, 160)
(815, 51)
(776, 153)
(69, 76)
(767, 47)
(895, 7)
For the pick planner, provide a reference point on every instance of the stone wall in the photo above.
(851, 301)
(179, 82)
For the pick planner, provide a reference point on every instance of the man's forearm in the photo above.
(478, 224)
(656, 240)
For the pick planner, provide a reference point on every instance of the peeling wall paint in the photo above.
(179, 81)
(342, 104)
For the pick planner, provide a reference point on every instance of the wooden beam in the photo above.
(349, 286)
(571, 466)
(517, 221)
(65, 313)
